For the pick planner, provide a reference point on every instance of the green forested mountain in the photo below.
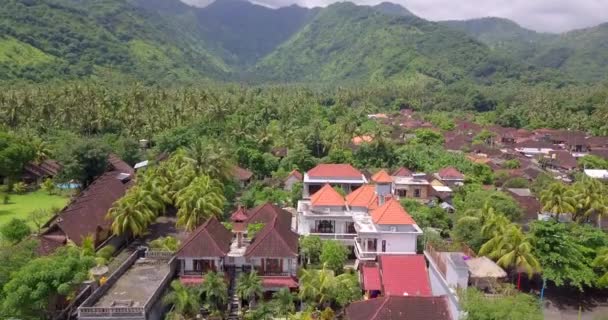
(42, 40)
(346, 41)
(167, 41)
(503, 35)
(580, 54)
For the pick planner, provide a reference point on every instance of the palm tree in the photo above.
(601, 261)
(558, 199)
(263, 311)
(165, 244)
(210, 158)
(590, 199)
(317, 286)
(511, 250)
(215, 291)
(249, 287)
(197, 202)
(134, 212)
(283, 302)
(185, 302)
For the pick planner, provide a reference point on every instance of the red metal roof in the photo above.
(382, 177)
(331, 170)
(327, 196)
(391, 212)
(191, 280)
(371, 278)
(400, 308)
(279, 281)
(404, 275)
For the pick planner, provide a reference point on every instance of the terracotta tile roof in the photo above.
(595, 142)
(391, 212)
(327, 196)
(275, 240)
(361, 139)
(330, 170)
(265, 213)
(382, 177)
(404, 275)
(450, 173)
(600, 152)
(296, 174)
(50, 241)
(400, 308)
(402, 172)
(211, 239)
(534, 144)
(371, 278)
(86, 214)
(241, 174)
(239, 215)
(364, 196)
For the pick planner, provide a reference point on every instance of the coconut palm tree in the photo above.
(558, 199)
(262, 311)
(201, 199)
(134, 212)
(249, 287)
(283, 302)
(215, 291)
(185, 302)
(511, 250)
(590, 199)
(210, 158)
(165, 244)
(317, 286)
(601, 261)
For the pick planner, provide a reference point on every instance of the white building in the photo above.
(343, 176)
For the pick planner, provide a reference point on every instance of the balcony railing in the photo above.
(363, 255)
(333, 236)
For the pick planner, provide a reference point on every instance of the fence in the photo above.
(437, 259)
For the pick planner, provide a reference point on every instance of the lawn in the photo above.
(21, 205)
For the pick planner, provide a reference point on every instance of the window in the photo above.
(350, 227)
(325, 226)
(202, 265)
(402, 193)
(416, 193)
(383, 245)
(273, 266)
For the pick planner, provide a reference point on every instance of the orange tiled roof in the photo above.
(361, 139)
(391, 212)
(382, 177)
(365, 196)
(327, 196)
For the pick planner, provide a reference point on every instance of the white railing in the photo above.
(160, 255)
(334, 236)
(363, 255)
(108, 312)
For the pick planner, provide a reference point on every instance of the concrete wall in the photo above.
(439, 287)
(290, 182)
(403, 242)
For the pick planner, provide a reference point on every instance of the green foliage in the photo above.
(561, 255)
(333, 255)
(473, 197)
(184, 301)
(517, 182)
(15, 153)
(425, 216)
(85, 160)
(257, 193)
(348, 289)
(200, 200)
(513, 306)
(15, 230)
(427, 137)
(167, 243)
(592, 162)
(48, 186)
(511, 164)
(254, 228)
(14, 257)
(310, 248)
(328, 314)
(283, 302)
(42, 281)
(19, 187)
(249, 287)
(215, 291)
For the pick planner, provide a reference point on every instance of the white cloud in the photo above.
(540, 15)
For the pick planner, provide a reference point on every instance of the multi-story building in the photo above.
(369, 220)
(343, 176)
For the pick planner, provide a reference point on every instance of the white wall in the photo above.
(398, 242)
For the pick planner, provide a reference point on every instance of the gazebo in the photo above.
(483, 272)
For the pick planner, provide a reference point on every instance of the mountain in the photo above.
(345, 41)
(580, 54)
(503, 35)
(392, 9)
(42, 40)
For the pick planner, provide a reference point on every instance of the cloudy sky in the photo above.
(540, 15)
